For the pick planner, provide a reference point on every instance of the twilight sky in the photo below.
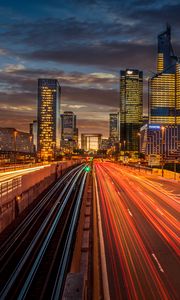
(82, 43)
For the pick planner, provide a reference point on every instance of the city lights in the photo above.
(90, 149)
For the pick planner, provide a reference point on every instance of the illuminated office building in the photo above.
(48, 140)
(69, 132)
(33, 133)
(114, 128)
(13, 140)
(131, 108)
(160, 140)
(165, 85)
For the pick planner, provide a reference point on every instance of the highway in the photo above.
(140, 232)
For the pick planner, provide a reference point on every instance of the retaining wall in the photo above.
(22, 192)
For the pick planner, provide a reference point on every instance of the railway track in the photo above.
(35, 258)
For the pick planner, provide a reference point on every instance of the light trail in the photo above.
(13, 174)
(140, 231)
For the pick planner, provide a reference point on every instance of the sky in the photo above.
(82, 43)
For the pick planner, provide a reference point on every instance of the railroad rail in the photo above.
(35, 258)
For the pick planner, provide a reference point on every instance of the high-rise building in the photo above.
(69, 132)
(160, 140)
(165, 85)
(114, 128)
(13, 140)
(131, 107)
(48, 140)
(33, 133)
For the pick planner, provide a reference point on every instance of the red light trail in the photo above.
(140, 229)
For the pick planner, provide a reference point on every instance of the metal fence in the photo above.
(8, 191)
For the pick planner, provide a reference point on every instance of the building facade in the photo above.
(33, 133)
(165, 84)
(114, 128)
(12, 140)
(48, 123)
(160, 140)
(105, 144)
(91, 141)
(69, 131)
(131, 107)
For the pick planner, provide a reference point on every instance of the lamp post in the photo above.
(162, 148)
(139, 137)
(139, 143)
(175, 169)
(15, 146)
(120, 150)
(30, 145)
(124, 144)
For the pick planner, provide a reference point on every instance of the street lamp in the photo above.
(162, 147)
(124, 144)
(30, 145)
(139, 143)
(120, 150)
(15, 145)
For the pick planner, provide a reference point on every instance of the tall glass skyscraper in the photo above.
(165, 85)
(48, 138)
(114, 127)
(131, 108)
(69, 132)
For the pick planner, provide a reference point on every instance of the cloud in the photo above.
(99, 37)
(113, 55)
(9, 68)
(75, 106)
(3, 51)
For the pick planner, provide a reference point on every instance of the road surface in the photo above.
(140, 225)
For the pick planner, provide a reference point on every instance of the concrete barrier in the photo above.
(167, 174)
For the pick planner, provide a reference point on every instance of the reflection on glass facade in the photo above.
(155, 141)
(69, 132)
(114, 127)
(165, 85)
(48, 118)
(131, 107)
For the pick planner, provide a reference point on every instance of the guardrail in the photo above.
(7, 189)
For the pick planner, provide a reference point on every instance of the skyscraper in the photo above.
(131, 108)
(114, 127)
(69, 132)
(165, 85)
(48, 140)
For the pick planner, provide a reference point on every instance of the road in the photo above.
(140, 228)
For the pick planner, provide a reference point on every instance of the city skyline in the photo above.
(85, 53)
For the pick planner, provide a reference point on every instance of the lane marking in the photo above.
(130, 212)
(102, 249)
(158, 263)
